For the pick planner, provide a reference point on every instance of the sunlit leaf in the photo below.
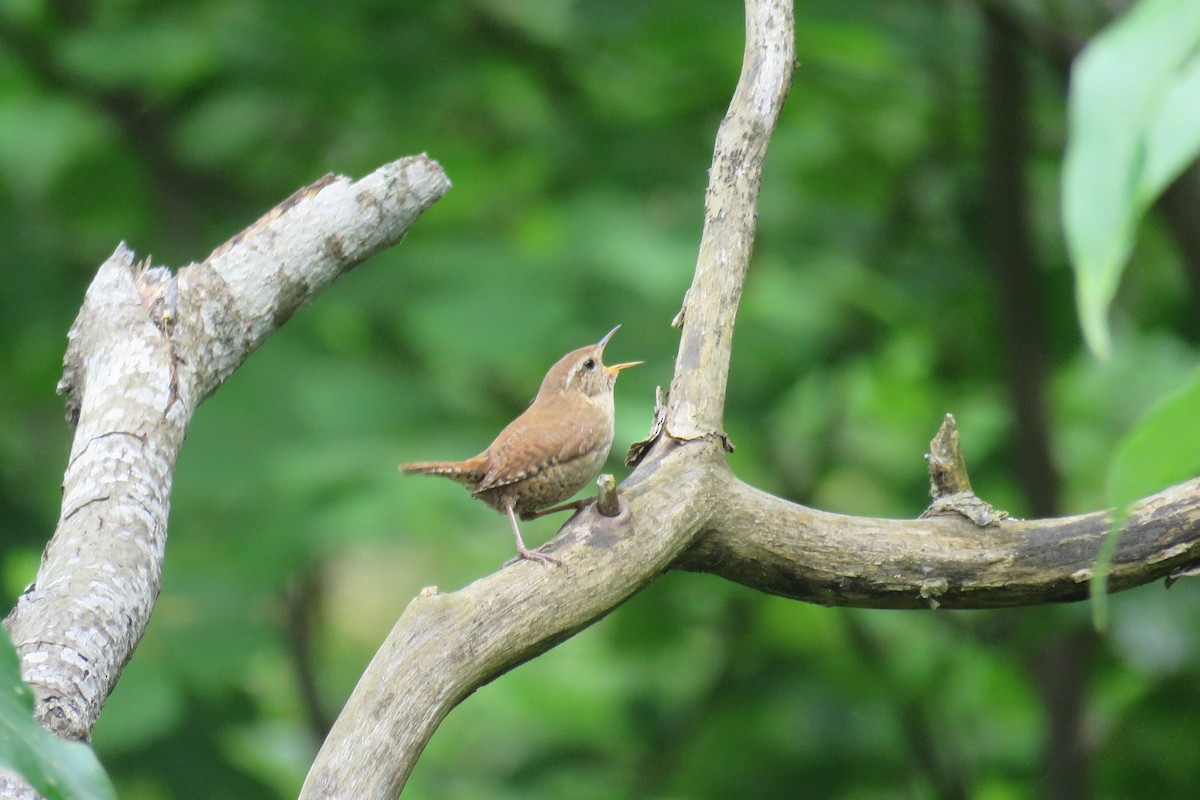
(1134, 124)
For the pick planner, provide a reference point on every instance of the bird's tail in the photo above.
(468, 472)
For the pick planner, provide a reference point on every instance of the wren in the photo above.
(550, 452)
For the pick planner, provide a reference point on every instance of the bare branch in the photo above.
(145, 350)
(446, 646)
(696, 402)
(782, 548)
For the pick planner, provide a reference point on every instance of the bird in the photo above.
(552, 450)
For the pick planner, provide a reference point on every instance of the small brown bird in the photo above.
(552, 450)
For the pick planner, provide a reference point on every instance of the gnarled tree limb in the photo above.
(687, 511)
(783, 548)
(145, 350)
(446, 646)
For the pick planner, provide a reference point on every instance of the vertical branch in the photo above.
(1062, 668)
(1060, 665)
(696, 405)
(302, 602)
(1013, 261)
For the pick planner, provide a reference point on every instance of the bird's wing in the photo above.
(552, 431)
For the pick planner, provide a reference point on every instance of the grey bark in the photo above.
(145, 350)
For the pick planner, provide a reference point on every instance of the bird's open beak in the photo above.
(613, 370)
(607, 336)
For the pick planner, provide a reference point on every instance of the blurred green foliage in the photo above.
(577, 135)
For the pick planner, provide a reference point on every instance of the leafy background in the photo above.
(909, 262)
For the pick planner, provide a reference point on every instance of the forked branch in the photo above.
(447, 645)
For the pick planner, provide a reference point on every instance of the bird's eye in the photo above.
(589, 364)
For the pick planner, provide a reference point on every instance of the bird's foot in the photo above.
(534, 555)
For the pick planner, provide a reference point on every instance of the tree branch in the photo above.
(782, 548)
(696, 402)
(447, 645)
(145, 350)
(686, 510)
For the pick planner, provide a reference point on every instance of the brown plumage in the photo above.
(550, 452)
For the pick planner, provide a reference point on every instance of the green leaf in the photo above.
(1174, 137)
(57, 769)
(1133, 125)
(1158, 452)
(1161, 448)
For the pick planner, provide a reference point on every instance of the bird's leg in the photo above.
(573, 505)
(522, 550)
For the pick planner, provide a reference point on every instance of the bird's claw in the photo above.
(534, 555)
